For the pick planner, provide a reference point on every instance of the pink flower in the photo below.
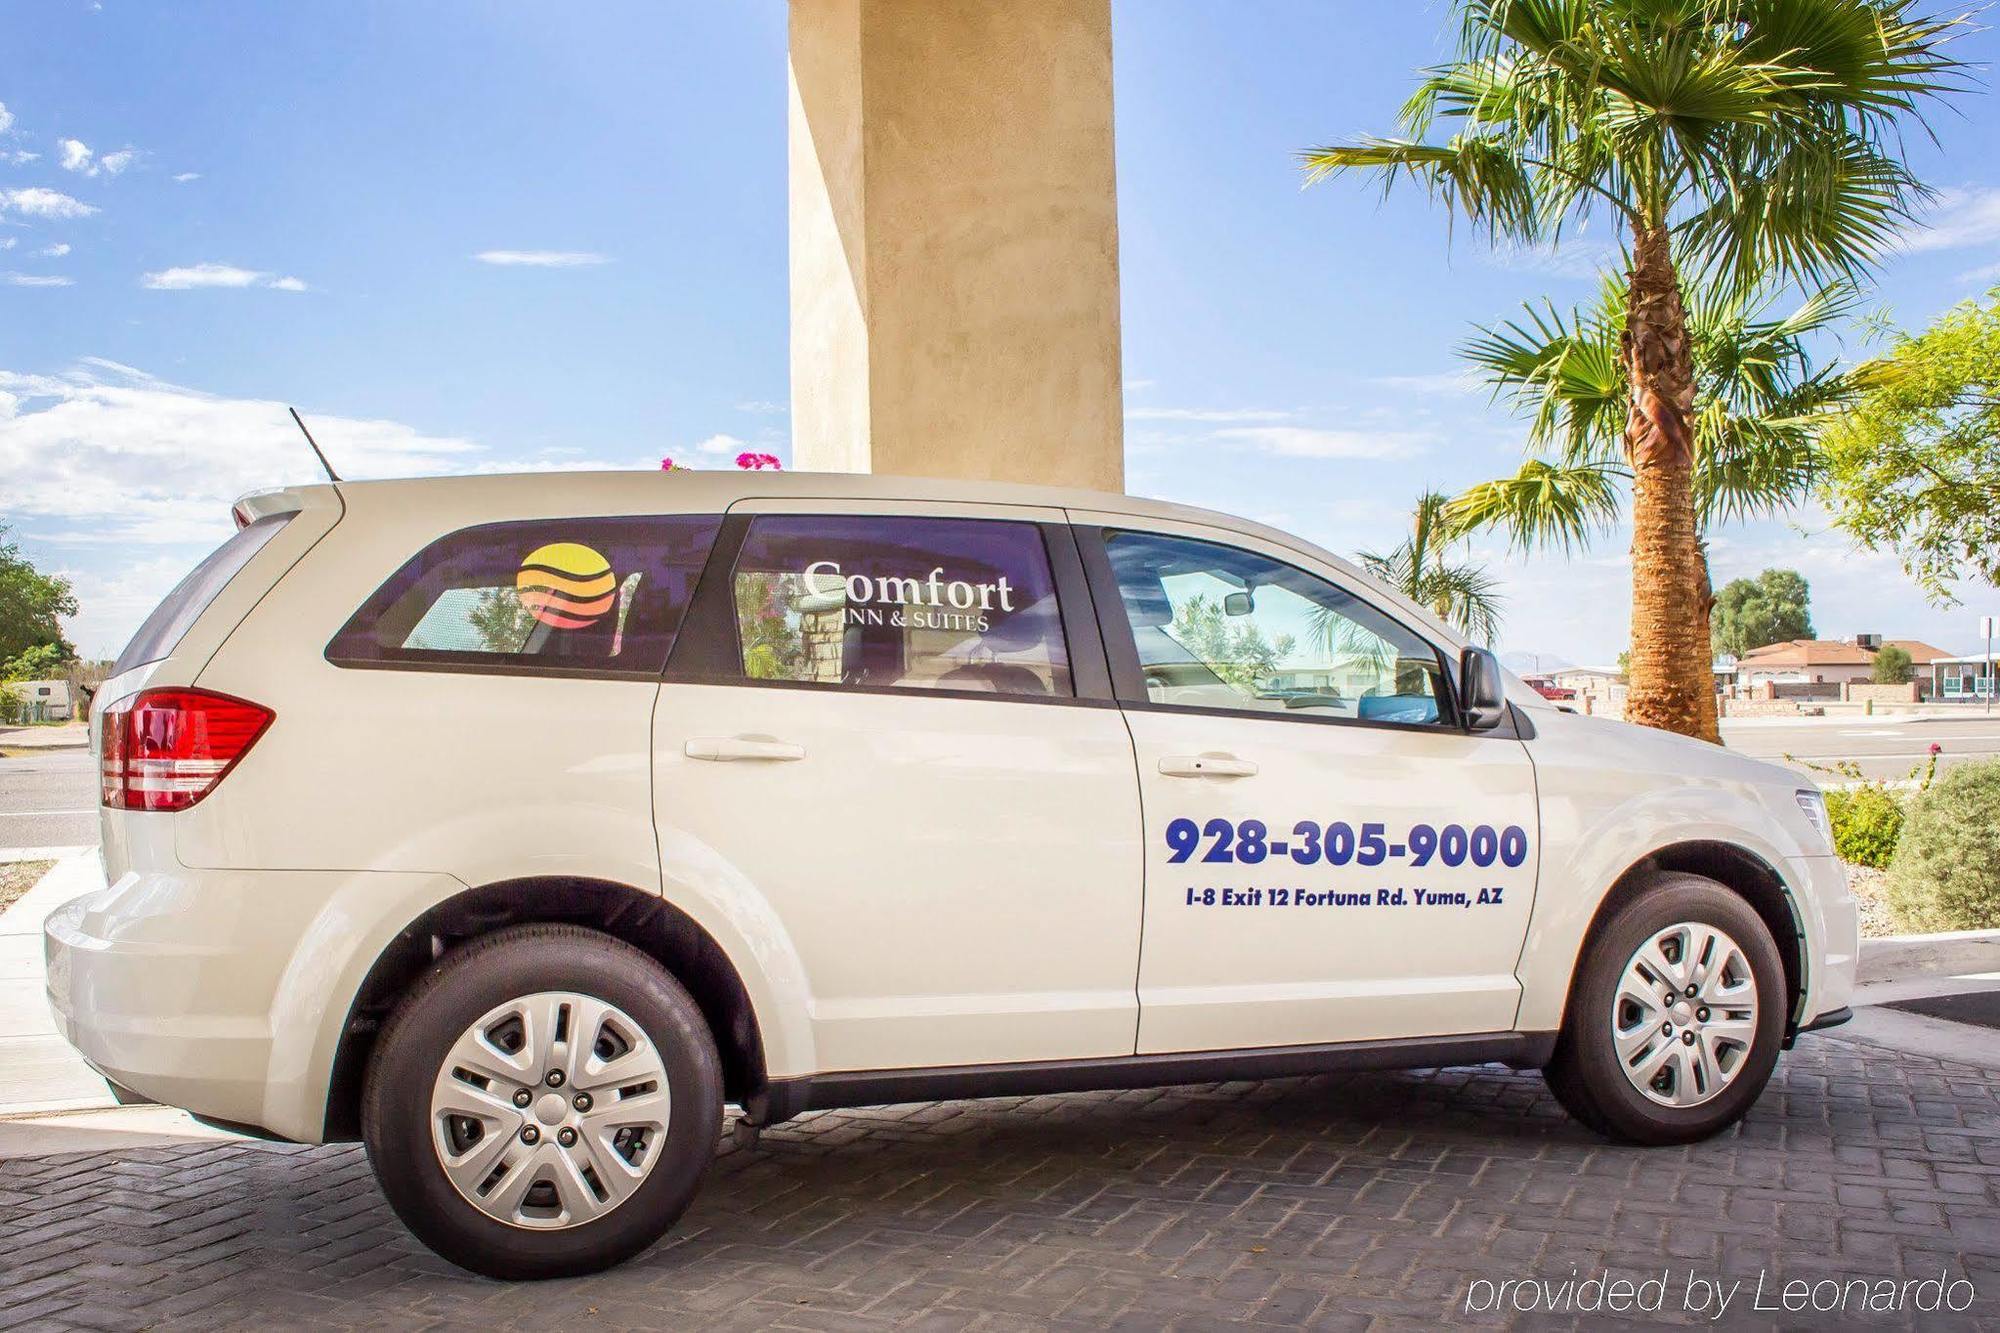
(666, 465)
(1936, 748)
(758, 462)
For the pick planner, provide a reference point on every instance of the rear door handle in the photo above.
(725, 749)
(1206, 766)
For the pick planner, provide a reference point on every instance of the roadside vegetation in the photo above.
(1737, 148)
(32, 646)
(1945, 874)
(1914, 467)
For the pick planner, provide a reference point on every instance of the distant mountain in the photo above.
(1527, 664)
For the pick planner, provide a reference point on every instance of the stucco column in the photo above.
(954, 225)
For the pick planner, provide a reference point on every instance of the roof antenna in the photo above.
(331, 475)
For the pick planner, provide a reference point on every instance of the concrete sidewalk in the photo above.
(71, 735)
(38, 1070)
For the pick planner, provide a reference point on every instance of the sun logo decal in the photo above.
(566, 585)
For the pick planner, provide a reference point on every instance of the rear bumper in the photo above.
(223, 992)
(173, 1023)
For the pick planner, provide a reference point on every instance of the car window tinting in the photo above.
(585, 595)
(907, 603)
(163, 631)
(1221, 627)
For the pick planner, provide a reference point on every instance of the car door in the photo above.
(1330, 857)
(894, 723)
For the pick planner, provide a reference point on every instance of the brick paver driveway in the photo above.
(1328, 1202)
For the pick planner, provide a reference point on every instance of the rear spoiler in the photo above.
(281, 500)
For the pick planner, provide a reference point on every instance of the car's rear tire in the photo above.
(543, 1103)
(1675, 1015)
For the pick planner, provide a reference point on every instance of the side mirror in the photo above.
(1237, 604)
(1481, 692)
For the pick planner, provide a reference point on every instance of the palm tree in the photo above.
(1759, 404)
(1461, 595)
(1748, 140)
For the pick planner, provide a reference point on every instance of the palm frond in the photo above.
(1544, 505)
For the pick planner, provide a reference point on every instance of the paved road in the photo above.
(48, 800)
(1883, 748)
(1371, 1200)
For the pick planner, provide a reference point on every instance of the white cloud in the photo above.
(183, 177)
(116, 456)
(1444, 381)
(1983, 274)
(1206, 414)
(191, 276)
(33, 280)
(718, 445)
(1313, 442)
(6, 118)
(1571, 259)
(763, 407)
(20, 157)
(7, 242)
(56, 251)
(37, 202)
(540, 258)
(77, 157)
(1959, 218)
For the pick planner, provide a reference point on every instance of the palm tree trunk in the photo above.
(1672, 686)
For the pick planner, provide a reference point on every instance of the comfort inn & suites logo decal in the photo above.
(566, 585)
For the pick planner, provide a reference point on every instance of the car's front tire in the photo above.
(1675, 1016)
(543, 1103)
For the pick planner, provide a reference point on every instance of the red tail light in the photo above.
(166, 749)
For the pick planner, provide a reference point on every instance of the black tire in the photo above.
(1584, 1072)
(467, 983)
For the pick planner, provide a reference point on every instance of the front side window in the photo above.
(586, 596)
(1221, 627)
(903, 603)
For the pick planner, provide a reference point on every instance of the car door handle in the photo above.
(1206, 766)
(724, 749)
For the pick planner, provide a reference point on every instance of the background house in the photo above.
(1831, 662)
(1968, 677)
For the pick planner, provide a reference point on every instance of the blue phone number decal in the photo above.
(1339, 843)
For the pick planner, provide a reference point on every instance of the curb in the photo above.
(1951, 953)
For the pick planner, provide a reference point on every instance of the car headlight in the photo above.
(1812, 802)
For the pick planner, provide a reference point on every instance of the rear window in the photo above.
(588, 596)
(171, 619)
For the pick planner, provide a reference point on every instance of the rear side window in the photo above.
(903, 603)
(171, 619)
(584, 596)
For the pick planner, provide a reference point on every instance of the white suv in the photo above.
(517, 824)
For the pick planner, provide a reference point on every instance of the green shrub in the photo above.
(1866, 823)
(1946, 871)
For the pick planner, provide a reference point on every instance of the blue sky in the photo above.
(337, 206)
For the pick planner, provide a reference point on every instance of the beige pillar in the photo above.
(955, 240)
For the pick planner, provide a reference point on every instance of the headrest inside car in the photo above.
(1146, 601)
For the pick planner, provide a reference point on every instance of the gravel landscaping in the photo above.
(17, 877)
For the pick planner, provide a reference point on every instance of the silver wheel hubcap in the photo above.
(1685, 1015)
(550, 1110)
